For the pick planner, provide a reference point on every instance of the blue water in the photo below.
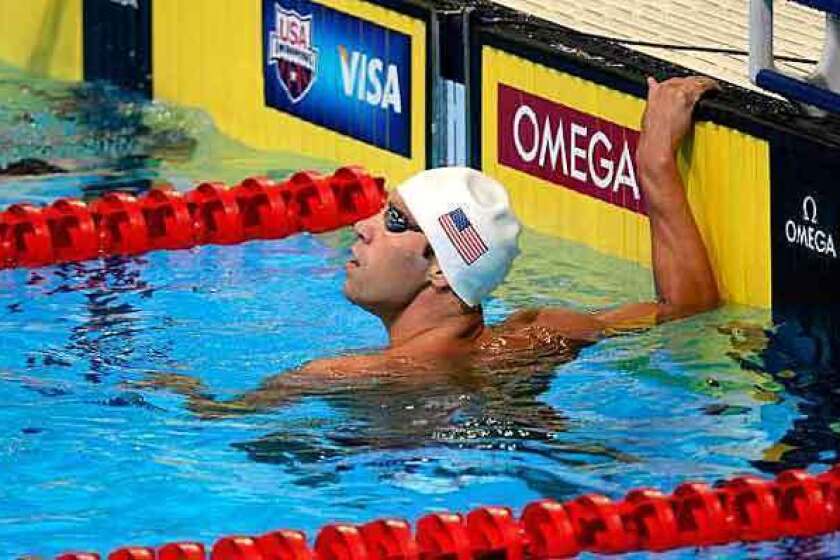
(89, 460)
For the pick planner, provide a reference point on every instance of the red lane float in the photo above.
(72, 230)
(700, 516)
(598, 525)
(650, 516)
(120, 223)
(133, 553)
(268, 211)
(169, 224)
(341, 542)
(746, 508)
(318, 210)
(495, 533)
(549, 530)
(163, 219)
(182, 551)
(284, 545)
(236, 548)
(27, 235)
(444, 535)
(390, 538)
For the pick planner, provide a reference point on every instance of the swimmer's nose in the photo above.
(363, 230)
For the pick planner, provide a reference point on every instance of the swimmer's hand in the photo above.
(198, 400)
(175, 382)
(667, 117)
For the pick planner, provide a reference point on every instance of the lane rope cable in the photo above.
(746, 508)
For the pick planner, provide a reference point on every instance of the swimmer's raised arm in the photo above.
(685, 282)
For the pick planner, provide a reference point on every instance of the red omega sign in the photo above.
(569, 148)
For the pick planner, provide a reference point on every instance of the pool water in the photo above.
(90, 460)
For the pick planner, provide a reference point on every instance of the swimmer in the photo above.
(447, 237)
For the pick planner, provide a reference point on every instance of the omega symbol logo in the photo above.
(809, 209)
(808, 234)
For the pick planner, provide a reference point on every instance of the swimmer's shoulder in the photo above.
(322, 373)
(567, 323)
(518, 319)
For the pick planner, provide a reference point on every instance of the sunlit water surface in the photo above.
(89, 461)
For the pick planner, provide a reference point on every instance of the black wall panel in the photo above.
(118, 43)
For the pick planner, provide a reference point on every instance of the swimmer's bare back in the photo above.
(684, 280)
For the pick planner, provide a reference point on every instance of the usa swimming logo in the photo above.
(292, 53)
(338, 71)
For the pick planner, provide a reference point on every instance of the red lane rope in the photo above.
(120, 224)
(746, 508)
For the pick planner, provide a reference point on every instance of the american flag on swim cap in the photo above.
(463, 235)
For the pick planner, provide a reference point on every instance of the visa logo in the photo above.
(363, 77)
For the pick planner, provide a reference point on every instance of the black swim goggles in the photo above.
(397, 222)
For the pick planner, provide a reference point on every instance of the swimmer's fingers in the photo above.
(209, 409)
(701, 85)
(690, 89)
(707, 83)
(176, 382)
(668, 115)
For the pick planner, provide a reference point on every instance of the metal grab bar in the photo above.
(822, 88)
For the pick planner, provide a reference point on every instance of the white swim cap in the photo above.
(466, 217)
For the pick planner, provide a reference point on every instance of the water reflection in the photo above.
(119, 140)
(103, 336)
(106, 338)
(801, 361)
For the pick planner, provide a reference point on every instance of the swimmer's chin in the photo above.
(354, 299)
(348, 293)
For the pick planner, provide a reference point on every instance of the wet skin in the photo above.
(434, 337)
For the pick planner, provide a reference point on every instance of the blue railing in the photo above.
(828, 6)
(798, 90)
(822, 88)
